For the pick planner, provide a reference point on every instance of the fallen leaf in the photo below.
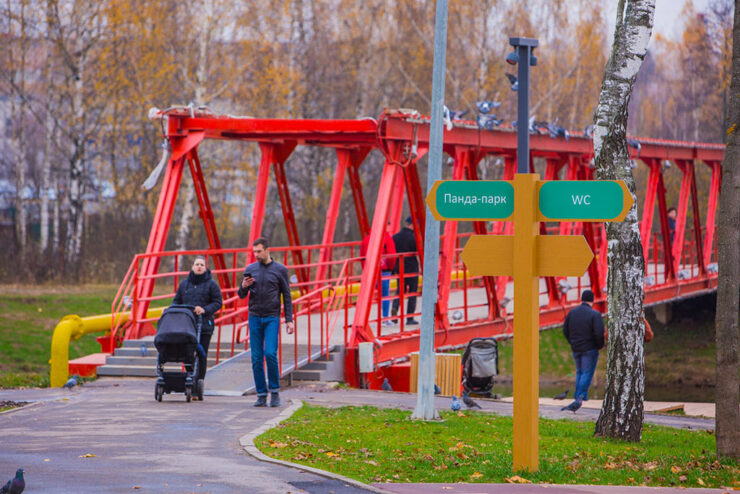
(371, 462)
(700, 481)
(136, 487)
(682, 478)
(460, 414)
(516, 479)
(276, 444)
(329, 453)
(675, 469)
(47, 459)
(476, 475)
(87, 455)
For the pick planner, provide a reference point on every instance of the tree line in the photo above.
(78, 76)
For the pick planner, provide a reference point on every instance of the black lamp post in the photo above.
(523, 48)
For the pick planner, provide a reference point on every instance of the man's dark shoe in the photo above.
(261, 401)
(412, 321)
(274, 400)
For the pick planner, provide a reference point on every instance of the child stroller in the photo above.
(178, 334)
(480, 364)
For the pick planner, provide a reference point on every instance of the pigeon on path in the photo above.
(14, 485)
(486, 106)
(455, 405)
(71, 382)
(437, 390)
(386, 386)
(562, 395)
(143, 350)
(469, 402)
(572, 407)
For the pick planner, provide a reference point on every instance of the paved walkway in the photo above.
(112, 436)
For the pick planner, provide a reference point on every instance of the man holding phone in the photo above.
(266, 281)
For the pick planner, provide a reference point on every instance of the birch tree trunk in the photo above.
(73, 241)
(46, 164)
(199, 91)
(622, 410)
(18, 109)
(727, 333)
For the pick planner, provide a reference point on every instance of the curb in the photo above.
(247, 442)
(23, 407)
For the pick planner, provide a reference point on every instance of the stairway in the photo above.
(128, 361)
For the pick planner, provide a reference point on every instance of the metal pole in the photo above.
(524, 48)
(425, 395)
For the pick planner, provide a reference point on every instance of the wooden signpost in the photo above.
(526, 256)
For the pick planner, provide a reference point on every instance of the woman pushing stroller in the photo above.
(201, 291)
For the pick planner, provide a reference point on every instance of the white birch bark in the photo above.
(46, 163)
(727, 333)
(199, 92)
(18, 109)
(76, 188)
(622, 409)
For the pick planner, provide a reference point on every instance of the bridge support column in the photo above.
(663, 312)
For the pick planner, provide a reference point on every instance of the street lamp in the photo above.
(523, 48)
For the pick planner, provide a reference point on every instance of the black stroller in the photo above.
(177, 340)
(480, 364)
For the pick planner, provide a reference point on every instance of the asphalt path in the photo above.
(139, 444)
(111, 436)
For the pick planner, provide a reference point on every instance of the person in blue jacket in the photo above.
(201, 291)
(266, 281)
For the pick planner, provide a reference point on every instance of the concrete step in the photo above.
(152, 352)
(149, 360)
(149, 342)
(130, 370)
(309, 375)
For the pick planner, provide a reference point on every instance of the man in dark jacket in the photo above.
(584, 330)
(265, 281)
(405, 241)
(201, 291)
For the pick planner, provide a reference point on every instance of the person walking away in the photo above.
(200, 290)
(405, 241)
(386, 268)
(266, 280)
(584, 330)
(672, 213)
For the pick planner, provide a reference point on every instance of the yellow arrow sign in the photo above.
(557, 255)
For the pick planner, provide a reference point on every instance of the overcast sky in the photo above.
(667, 13)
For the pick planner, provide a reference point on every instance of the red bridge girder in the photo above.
(677, 268)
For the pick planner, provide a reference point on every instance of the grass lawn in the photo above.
(476, 447)
(28, 315)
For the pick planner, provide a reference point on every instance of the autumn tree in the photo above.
(727, 391)
(622, 409)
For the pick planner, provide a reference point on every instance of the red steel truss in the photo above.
(676, 269)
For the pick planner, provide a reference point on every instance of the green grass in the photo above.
(28, 316)
(374, 445)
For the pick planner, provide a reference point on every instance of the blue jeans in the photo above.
(263, 342)
(585, 368)
(386, 290)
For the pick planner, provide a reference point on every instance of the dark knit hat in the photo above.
(587, 296)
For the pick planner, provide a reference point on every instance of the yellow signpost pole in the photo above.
(527, 256)
(526, 324)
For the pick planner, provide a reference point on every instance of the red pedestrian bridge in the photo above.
(335, 289)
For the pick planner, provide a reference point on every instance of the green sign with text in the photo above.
(471, 200)
(595, 200)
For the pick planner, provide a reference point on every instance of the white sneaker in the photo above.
(387, 323)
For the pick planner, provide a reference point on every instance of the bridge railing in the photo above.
(325, 292)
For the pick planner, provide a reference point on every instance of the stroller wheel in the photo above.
(188, 394)
(158, 391)
(199, 389)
